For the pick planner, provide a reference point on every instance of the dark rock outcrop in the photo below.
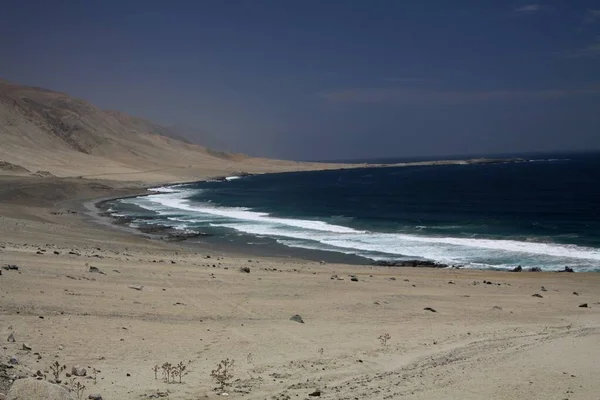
(567, 269)
(412, 264)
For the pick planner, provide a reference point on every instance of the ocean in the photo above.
(542, 212)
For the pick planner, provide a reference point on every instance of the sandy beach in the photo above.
(107, 299)
(296, 200)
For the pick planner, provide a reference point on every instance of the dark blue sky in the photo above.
(326, 79)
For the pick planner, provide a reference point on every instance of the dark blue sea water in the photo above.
(539, 213)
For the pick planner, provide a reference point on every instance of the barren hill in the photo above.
(52, 133)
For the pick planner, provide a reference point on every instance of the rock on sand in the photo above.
(32, 389)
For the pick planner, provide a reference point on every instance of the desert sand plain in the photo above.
(151, 302)
(118, 303)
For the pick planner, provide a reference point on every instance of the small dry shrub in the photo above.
(223, 373)
(57, 370)
(384, 338)
(77, 387)
(171, 372)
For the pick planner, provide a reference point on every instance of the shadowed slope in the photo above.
(51, 131)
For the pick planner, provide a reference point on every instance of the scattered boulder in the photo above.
(157, 395)
(535, 269)
(497, 308)
(13, 360)
(316, 393)
(297, 318)
(517, 269)
(353, 278)
(96, 270)
(11, 267)
(429, 309)
(26, 347)
(136, 287)
(537, 295)
(78, 371)
(245, 269)
(33, 389)
(95, 397)
(575, 293)
(543, 289)
(11, 338)
(584, 305)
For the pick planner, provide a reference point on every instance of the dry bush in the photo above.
(56, 370)
(384, 338)
(77, 387)
(223, 373)
(171, 372)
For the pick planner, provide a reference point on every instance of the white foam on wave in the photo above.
(232, 178)
(165, 189)
(379, 246)
(446, 248)
(548, 249)
(177, 201)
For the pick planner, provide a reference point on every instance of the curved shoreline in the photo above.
(93, 209)
(170, 231)
(167, 233)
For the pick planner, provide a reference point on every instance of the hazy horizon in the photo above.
(435, 157)
(326, 80)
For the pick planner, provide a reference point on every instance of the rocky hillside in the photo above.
(51, 133)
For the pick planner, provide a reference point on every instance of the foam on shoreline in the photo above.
(172, 204)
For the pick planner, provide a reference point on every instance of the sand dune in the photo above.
(42, 130)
